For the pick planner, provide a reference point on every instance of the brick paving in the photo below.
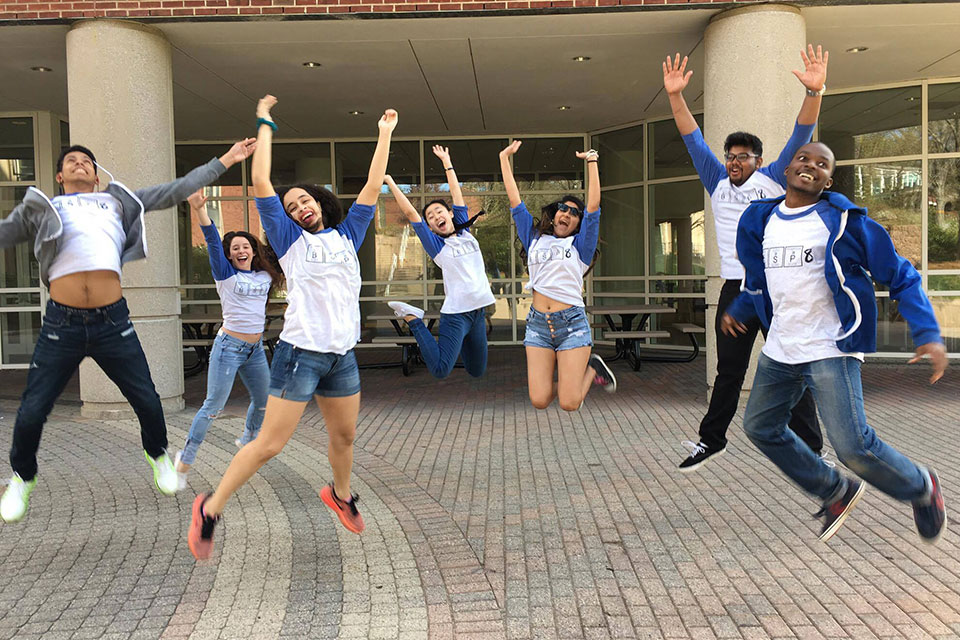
(485, 519)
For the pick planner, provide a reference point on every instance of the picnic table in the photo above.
(200, 330)
(409, 349)
(627, 337)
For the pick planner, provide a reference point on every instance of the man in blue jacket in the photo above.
(806, 258)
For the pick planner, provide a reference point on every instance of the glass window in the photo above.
(943, 116)
(477, 163)
(943, 283)
(677, 242)
(668, 153)
(943, 214)
(191, 156)
(947, 310)
(891, 193)
(16, 153)
(353, 164)
(621, 233)
(621, 155)
(549, 164)
(19, 332)
(689, 311)
(194, 259)
(301, 163)
(18, 267)
(872, 124)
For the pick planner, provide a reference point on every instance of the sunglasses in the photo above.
(563, 206)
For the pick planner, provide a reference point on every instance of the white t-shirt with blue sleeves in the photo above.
(465, 284)
(243, 294)
(729, 201)
(323, 277)
(557, 265)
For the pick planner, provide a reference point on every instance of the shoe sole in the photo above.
(613, 379)
(694, 467)
(329, 501)
(943, 528)
(826, 535)
(195, 516)
(156, 476)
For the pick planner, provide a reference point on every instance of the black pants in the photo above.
(67, 336)
(733, 358)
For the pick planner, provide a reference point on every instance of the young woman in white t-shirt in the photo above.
(244, 276)
(444, 235)
(560, 248)
(317, 249)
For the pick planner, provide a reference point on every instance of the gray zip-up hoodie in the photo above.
(37, 219)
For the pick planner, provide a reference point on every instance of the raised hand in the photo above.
(239, 152)
(590, 154)
(814, 75)
(675, 75)
(266, 103)
(443, 153)
(388, 180)
(511, 149)
(198, 201)
(388, 121)
(938, 358)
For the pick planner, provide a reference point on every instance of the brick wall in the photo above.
(25, 10)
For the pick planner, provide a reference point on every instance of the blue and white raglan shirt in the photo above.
(243, 294)
(465, 284)
(557, 265)
(323, 277)
(729, 201)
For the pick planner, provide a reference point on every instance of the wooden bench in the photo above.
(628, 343)
(687, 329)
(409, 353)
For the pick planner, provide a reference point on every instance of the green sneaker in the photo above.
(164, 474)
(16, 499)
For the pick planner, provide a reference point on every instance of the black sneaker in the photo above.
(604, 376)
(836, 512)
(929, 514)
(699, 454)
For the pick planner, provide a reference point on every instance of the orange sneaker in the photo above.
(200, 535)
(346, 511)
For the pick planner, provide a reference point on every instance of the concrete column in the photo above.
(120, 86)
(749, 54)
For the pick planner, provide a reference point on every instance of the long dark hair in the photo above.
(264, 259)
(331, 211)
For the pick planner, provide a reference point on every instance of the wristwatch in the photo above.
(814, 94)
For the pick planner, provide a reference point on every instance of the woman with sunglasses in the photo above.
(560, 248)
(445, 236)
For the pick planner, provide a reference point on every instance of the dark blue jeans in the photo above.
(460, 334)
(67, 336)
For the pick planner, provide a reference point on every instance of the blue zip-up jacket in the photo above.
(857, 244)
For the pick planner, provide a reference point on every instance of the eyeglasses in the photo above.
(563, 206)
(742, 157)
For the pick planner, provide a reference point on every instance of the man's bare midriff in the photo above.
(87, 289)
(543, 304)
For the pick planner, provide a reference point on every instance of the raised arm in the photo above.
(378, 166)
(456, 195)
(593, 178)
(675, 80)
(814, 79)
(513, 193)
(262, 157)
(406, 207)
(219, 265)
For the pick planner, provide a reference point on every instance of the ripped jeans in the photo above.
(228, 357)
(69, 335)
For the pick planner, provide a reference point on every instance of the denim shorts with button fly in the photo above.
(298, 375)
(560, 331)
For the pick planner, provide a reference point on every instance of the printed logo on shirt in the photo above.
(315, 253)
(251, 289)
(729, 194)
(464, 249)
(539, 256)
(793, 256)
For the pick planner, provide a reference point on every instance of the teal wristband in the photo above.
(269, 123)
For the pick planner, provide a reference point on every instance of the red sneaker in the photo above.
(346, 511)
(200, 535)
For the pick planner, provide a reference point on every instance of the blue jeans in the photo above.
(836, 387)
(228, 357)
(67, 336)
(460, 335)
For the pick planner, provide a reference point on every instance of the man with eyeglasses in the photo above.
(732, 185)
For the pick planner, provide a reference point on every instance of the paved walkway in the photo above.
(485, 519)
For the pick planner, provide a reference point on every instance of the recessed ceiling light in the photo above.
(857, 49)
(41, 69)
(580, 58)
(312, 64)
(564, 107)
(355, 113)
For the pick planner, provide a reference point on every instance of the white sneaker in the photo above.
(16, 499)
(402, 309)
(239, 443)
(181, 475)
(164, 475)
